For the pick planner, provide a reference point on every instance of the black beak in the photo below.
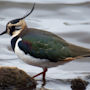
(3, 32)
(29, 12)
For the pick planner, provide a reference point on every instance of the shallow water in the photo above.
(69, 20)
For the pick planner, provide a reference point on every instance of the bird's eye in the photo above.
(12, 28)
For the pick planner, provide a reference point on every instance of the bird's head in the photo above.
(14, 27)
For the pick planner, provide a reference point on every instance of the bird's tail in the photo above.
(78, 51)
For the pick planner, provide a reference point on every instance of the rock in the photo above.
(12, 78)
(78, 84)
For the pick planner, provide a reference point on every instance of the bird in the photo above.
(41, 48)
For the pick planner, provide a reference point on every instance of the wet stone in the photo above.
(12, 78)
(78, 84)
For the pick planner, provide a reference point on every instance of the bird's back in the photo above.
(46, 45)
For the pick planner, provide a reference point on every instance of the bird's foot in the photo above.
(44, 74)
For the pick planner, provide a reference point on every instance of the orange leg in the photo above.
(44, 75)
(69, 59)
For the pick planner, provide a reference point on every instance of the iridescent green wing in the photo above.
(44, 45)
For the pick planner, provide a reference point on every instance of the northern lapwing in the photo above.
(41, 48)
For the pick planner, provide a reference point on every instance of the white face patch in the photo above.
(15, 33)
